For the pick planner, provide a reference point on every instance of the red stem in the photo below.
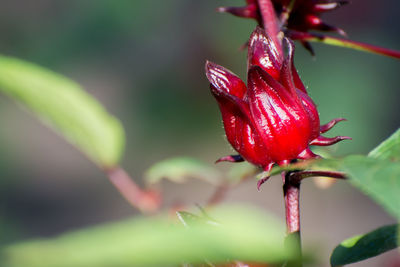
(300, 175)
(295, 35)
(218, 195)
(145, 201)
(291, 192)
(270, 21)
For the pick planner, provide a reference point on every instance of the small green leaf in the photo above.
(179, 169)
(189, 219)
(65, 107)
(365, 246)
(242, 234)
(388, 149)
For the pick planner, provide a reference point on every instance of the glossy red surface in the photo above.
(272, 119)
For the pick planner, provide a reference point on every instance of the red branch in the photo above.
(291, 192)
(303, 36)
(145, 201)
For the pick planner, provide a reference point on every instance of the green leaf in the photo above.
(379, 179)
(188, 218)
(365, 246)
(388, 149)
(179, 169)
(242, 234)
(65, 107)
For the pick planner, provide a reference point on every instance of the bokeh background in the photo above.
(144, 61)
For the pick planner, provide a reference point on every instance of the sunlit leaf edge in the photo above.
(365, 246)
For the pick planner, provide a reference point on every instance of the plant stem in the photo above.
(291, 192)
(313, 37)
(145, 201)
(218, 195)
(270, 21)
(300, 175)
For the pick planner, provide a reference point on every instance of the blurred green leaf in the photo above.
(188, 218)
(65, 107)
(179, 169)
(388, 149)
(365, 246)
(243, 234)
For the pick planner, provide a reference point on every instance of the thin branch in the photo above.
(300, 175)
(313, 37)
(218, 195)
(145, 201)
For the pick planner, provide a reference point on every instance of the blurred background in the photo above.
(144, 61)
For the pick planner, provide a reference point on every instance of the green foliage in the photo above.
(65, 107)
(365, 246)
(388, 149)
(188, 219)
(241, 234)
(378, 179)
(180, 168)
(377, 175)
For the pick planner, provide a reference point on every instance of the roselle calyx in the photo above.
(272, 120)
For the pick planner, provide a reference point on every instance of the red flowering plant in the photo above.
(271, 122)
(273, 119)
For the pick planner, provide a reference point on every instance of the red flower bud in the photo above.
(272, 120)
